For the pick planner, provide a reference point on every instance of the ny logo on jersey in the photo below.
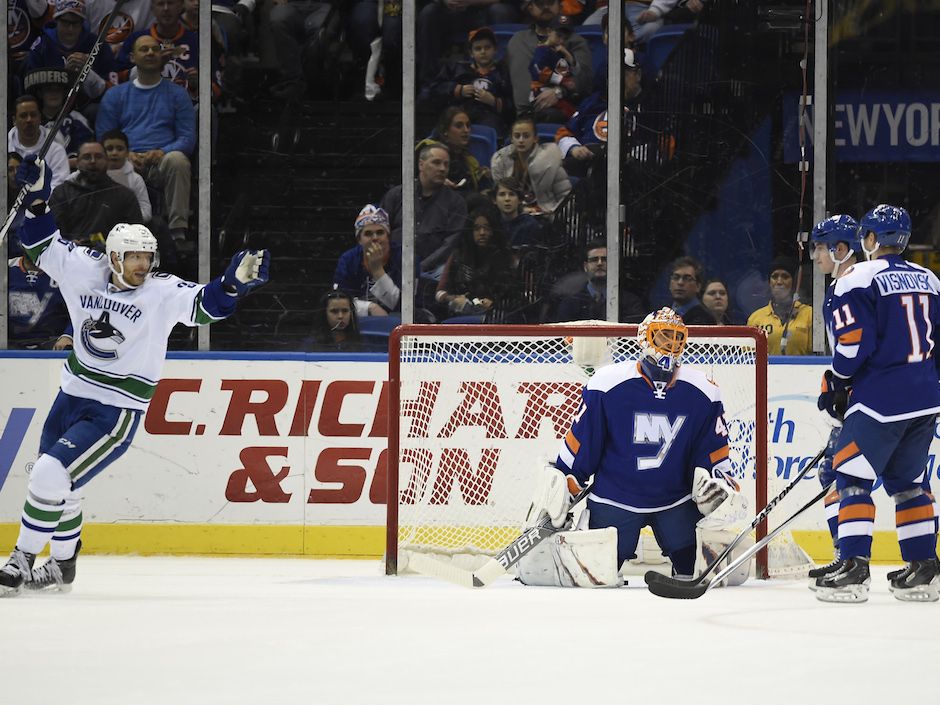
(655, 428)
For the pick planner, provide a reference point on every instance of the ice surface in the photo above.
(195, 631)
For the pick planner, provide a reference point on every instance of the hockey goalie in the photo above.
(652, 435)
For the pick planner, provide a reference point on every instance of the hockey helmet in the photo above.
(130, 237)
(890, 224)
(662, 336)
(833, 230)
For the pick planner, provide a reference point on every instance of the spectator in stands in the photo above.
(336, 325)
(465, 175)
(373, 27)
(293, 23)
(371, 271)
(685, 282)
(67, 44)
(37, 311)
(440, 212)
(645, 17)
(158, 118)
(50, 87)
(179, 50)
(134, 15)
(552, 67)
(521, 49)
(522, 229)
(787, 322)
(477, 276)
(27, 136)
(716, 301)
(121, 171)
(231, 25)
(583, 139)
(480, 85)
(25, 20)
(438, 21)
(589, 302)
(89, 203)
(537, 167)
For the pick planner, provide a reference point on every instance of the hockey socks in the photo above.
(917, 528)
(38, 522)
(856, 516)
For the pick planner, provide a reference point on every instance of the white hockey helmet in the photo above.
(130, 237)
(661, 337)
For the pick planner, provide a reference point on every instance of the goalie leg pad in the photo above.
(710, 542)
(573, 559)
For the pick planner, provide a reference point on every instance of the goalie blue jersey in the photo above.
(885, 317)
(641, 442)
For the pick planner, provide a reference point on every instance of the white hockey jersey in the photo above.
(120, 336)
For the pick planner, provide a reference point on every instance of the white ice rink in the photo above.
(197, 631)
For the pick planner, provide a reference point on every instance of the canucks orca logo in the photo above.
(100, 338)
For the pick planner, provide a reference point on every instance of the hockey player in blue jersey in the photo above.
(122, 313)
(836, 248)
(652, 434)
(884, 376)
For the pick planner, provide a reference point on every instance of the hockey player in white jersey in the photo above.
(122, 313)
(884, 375)
(653, 435)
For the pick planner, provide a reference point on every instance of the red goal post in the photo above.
(475, 409)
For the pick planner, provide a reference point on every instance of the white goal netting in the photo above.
(479, 410)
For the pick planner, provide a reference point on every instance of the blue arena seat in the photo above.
(546, 130)
(483, 143)
(503, 33)
(660, 46)
(594, 36)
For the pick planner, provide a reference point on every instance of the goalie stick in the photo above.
(653, 577)
(497, 565)
(676, 589)
(63, 112)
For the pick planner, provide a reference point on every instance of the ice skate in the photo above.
(847, 584)
(823, 570)
(17, 571)
(55, 575)
(919, 581)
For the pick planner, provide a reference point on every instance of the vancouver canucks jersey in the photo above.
(642, 441)
(120, 336)
(885, 317)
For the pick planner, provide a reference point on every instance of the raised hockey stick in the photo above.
(653, 577)
(497, 565)
(63, 112)
(684, 590)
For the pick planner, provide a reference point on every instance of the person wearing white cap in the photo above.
(371, 271)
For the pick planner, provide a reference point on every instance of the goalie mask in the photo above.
(130, 237)
(661, 336)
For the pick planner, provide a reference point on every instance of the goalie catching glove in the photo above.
(711, 488)
(552, 497)
(247, 271)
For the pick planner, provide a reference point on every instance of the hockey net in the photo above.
(475, 412)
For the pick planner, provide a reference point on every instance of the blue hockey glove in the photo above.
(37, 177)
(834, 395)
(824, 471)
(247, 271)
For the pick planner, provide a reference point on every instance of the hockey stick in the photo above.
(63, 113)
(497, 565)
(684, 590)
(653, 577)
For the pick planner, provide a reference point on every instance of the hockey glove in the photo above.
(36, 177)
(710, 489)
(824, 472)
(552, 497)
(247, 271)
(834, 395)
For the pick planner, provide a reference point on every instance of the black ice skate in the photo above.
(17, 571)
(919, 581)
(823, 570)
(55, 575)
(848, 584)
